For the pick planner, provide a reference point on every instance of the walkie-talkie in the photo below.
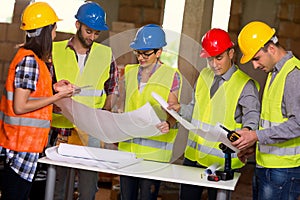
(228, 173)
(232, 135)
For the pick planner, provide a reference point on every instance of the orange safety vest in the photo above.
(26, 132)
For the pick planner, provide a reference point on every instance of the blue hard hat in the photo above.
(149, 37)
(92, 15)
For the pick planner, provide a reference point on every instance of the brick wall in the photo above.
(289, 25)
(122, 33)
(134, 14)
(10, 36)
(138, 12)
(235, 21)
(141, 12)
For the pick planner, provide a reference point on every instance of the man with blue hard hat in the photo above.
(83, 62)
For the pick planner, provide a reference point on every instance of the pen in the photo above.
(78, 89)
(86, 86)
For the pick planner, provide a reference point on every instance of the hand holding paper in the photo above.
(111, 127)
(216, 133)
(173, 113)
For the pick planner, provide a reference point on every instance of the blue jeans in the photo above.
(133, 188)
(276, 183)
(189, 192)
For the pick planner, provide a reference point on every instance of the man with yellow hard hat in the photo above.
(277, 174)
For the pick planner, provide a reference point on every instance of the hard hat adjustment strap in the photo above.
(274, 39)
(36, 33)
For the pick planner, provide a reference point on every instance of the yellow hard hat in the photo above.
(38, 15)
(252, 38)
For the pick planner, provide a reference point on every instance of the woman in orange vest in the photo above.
(25, 112)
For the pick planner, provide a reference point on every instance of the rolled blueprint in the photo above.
(211, 169)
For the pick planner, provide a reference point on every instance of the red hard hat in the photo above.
(215, 42)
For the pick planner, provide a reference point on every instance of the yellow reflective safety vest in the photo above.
(95, 73)
(284, 154)
(157, 148)
(208, 111)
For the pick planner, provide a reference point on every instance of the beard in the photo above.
(84, 43)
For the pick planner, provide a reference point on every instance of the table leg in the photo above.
(70, 186)
(224, 194)
(50, 183)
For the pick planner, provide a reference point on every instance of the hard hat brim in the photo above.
(204, 54)
(244, 59)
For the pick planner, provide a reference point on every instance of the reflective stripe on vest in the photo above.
(267, 124)
(150, 148)
(95, 73)
(26, 132)
(208, 111)
(207, 150)
(10, 95)
(284, 149)
(279, 151)
(21, 121)
(157, 148)
(283, 154)
(92, 93)
(151, 143)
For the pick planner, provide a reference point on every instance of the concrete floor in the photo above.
(169, 191)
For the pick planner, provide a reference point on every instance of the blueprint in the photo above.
(215, 134)
(111, 127)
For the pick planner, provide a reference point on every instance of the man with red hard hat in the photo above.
(224, 94)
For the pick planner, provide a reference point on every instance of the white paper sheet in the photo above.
(111, 127)
(99, 154)
(215, 134)
(91, 156)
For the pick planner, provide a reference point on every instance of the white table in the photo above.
(144, 169)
